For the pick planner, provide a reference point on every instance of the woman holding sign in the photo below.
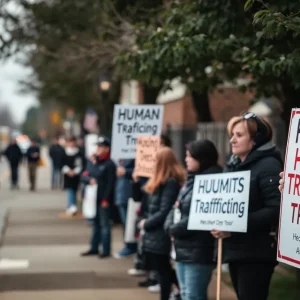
(163, 188)
(194, 249)
(252, 255)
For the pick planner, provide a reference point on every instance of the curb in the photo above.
(3, 223)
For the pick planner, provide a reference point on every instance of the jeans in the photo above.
(14, 174)
(123, 213)
(71, 197)
(101, 231)
(251, 280)
(193, 280)
(56, 178)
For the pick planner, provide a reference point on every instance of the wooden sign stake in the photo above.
(219, 268)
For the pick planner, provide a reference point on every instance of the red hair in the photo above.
(167, 166)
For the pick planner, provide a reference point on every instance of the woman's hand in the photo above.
(135, 177)
(220, 234)
(71, 173)
(281, 182)
(93, 181)
(141, 224)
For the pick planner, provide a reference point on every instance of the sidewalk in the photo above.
(52, 246)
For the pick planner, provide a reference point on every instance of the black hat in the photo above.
(103, 141)
(205, 152)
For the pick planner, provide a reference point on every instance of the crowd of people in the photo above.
(176, 262)
(15, 157)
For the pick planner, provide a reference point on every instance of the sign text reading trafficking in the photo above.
(220, 201)
(131, 121)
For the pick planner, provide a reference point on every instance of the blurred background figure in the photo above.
(101, 170)
(56, 153)
(72, 167)
(33, 156)
(14, 156)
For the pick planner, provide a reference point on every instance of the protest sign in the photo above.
(90, 144)
(289, 225)
(131, 121)
(147, 147)
(220, 202)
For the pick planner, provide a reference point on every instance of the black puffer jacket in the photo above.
(156, 240)
(258, 245)
(191, 246)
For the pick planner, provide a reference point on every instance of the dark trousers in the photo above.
(251, 281)
(32, 168)
(14, 168)
(161, 263)
(101, 234)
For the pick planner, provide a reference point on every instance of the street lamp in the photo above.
(104, 86)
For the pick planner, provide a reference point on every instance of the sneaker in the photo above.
(124, 253)
(154, 288)
(147, 283)
(136, 272)
(72, 210)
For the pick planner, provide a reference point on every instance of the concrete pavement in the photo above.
(51, 245)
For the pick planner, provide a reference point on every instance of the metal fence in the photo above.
(217, 133)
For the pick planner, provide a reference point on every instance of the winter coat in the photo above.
(56, 153)
(13, 154)
(191, 246)
(104, 171)
(258, 244)
(33, 154)
(123, 189)
(72, 160)
(156, 240)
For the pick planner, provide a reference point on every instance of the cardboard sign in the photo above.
(90, 144)
(220, 201)
(289, 226)
(146, 151)
(131, 121)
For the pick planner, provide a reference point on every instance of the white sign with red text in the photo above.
(289, 227)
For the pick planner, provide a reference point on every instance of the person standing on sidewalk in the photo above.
(33, 156)
(72, 167)
(163, 188)
(122, 194)
(14, 156)
(194, 249)
(252, 255)
(101, 170)
(56, 153)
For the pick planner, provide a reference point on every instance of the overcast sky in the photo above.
(10, 73)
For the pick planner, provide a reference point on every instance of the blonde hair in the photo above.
(167, 166)
(251, 125)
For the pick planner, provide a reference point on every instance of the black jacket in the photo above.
(258, 244)
(33, 154)
(104, 171)
(56, 153)
(191, 246)
(13, 154)
(156, 240)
